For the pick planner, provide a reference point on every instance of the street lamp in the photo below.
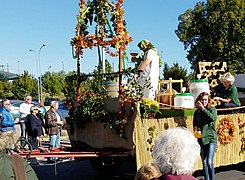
(40, 71)
(38, 88)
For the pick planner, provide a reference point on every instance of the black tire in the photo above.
(106, 165)
(22, 145)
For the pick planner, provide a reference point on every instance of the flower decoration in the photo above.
(91, 107)
(226, 131)
(148, 107)
(241, 123)
(98, 12)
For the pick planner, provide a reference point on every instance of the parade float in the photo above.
(126, 125)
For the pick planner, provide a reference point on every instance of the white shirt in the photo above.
(151, 73)
(25, 109)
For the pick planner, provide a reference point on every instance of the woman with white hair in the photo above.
(175, 152)
(226, 92)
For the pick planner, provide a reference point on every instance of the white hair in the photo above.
(176, 151)
(54, 104)
(227, 77)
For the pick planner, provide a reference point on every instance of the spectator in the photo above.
(13, 166)
(149, 68)
(24, 111)
(226, 92)
(53, 125)
(147, 172)
(175, 153)
(204, 120)
(35, 127)
(7, 123)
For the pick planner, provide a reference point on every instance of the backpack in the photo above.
(18, 167)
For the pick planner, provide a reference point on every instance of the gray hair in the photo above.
(176, 151)
(227, 77)
(54, 104)
(33, 107)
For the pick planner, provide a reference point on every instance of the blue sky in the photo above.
(27, 24)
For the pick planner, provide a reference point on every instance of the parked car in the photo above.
(15, 108)
(63, 111)
(48, 101)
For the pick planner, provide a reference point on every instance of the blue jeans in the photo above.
(23, 131)
(207, 154)
(54, 141)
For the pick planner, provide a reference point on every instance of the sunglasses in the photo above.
(8, 104)
(36, 109)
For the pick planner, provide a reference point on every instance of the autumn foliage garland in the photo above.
(226, 131)
(98, 12)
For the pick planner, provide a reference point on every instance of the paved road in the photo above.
(70, 169)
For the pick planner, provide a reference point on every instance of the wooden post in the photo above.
(78, 76)
(120, 71)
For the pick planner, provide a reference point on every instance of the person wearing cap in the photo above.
(149, 69)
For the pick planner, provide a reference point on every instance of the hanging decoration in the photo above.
(110, 27)
(226, 131)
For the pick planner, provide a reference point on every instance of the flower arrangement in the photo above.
(226, 131)
(148, 108)
(92, 107)
(98, 12)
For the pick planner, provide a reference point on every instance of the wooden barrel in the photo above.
(111, 88)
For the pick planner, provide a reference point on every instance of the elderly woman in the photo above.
(13, 168)
(226, 92)
(35, 127)
(175, 153)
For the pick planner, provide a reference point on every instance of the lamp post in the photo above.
(38, 88)
(40, 80)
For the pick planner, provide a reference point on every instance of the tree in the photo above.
(215, 31)
(53, 82)
(176, 72)
(5, 89)
(25, 85)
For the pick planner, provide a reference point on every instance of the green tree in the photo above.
(25, 85)
(53, 82)
(215, 31)
(70, 85)
(5, 89)
(176, 72)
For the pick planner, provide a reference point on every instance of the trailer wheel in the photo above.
(106, 164)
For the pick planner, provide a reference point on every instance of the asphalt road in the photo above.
(70, 169)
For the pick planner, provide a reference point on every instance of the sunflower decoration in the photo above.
(226, 131)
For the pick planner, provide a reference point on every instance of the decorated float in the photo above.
(126, 125)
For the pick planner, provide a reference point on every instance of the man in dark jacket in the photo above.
(53, 125)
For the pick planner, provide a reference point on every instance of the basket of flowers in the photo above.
(148, 108)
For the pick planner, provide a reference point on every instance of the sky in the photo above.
(28, 24)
